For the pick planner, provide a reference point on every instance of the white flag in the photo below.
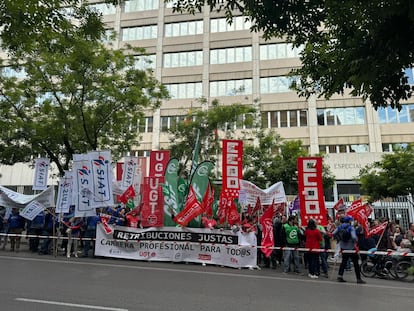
(32, 209)
(64, 199)
(41, 173)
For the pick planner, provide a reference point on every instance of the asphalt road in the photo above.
(33, 282)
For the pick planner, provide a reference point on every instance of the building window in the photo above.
(230, 87)
(221, 24)
(393, 147)
(184, 29)
(140, 5)
(143, 62)
(103, 8)
(279, 84)
(390, 115)
(139, 33)
(358, 148)
(284, 118)
(171, 122)
(146, 126)
(341, 116)
(231, 55)
(185, 90)
(279, 51)
(183, 59)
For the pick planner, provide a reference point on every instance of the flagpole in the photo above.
(382, 234)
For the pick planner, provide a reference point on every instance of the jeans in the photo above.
(288, 255)
(354, 257)
(313, 263)
(89, 233)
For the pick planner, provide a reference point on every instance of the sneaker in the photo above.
(315, 277)
(68, 255)
(340, 280)
(310, 275)
(361, 281)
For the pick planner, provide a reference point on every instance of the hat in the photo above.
(348, 219)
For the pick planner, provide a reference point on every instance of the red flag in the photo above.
(368, 209)
(128, 194)
(104, 220)
(207, 202)
(257, 207)
(233, 216)
(355, 207)
(267, 231)
(222, 210)
(339, 204)
(378, 229)
(191, 209)
(279, 208)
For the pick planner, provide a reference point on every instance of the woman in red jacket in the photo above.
(313, 239)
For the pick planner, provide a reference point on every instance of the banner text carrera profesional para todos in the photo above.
(178, 245)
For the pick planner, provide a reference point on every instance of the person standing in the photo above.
(16, 226)
(73, 230)
(313, 239)
(90, 232)
(290, 236)
(348, 242)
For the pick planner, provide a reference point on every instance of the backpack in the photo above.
(344, 234)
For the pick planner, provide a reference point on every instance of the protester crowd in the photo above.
(325, 243)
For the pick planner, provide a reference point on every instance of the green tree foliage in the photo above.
(215, 123)
(72, 95)
(363, 46)
(272, 159)
(390, 177)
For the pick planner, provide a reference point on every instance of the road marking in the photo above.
(400, 286)
(76, 305)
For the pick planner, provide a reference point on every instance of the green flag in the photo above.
(196, 153)
(170, 191)
(199, 182)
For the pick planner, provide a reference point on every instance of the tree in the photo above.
(390, 177)
(30, 22)
(273, 159)
(73, 95)
(362, 46)
(209, 122)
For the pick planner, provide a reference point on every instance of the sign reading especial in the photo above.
(177, 244)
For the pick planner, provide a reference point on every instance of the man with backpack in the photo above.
(347, 238)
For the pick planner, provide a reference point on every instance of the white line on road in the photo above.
(58, 303)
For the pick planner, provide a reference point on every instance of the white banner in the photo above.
(250, 192)
(41, 173)
(129, 172)
(64, 199)
(101, 178)
(178, 245)
(31, 210)
(13, 199)
(82, 184)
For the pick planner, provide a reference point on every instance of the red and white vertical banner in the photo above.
(310, 190)
(152, 198)
(41, 174)
(232, 166)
